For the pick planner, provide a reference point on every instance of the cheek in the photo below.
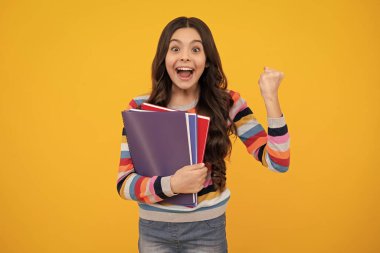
(201, 67)
(169, 64)
(201, 63)
(167, 67)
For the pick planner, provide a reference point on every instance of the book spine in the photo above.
(188, 136)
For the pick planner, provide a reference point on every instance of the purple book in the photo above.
(159, 144)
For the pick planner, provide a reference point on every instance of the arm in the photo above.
(132, 186)
(272, 149)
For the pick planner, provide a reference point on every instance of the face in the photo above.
(185, 59)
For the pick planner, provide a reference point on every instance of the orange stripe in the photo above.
(278, 154)
(257, 144)
(143, 189)
(263, 158)
(235, 96)
(125, 167)
(245, 119)
(121, 193)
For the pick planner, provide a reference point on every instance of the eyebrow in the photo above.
(181, 41)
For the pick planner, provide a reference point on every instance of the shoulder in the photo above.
(234, 94)
(238, 100)
(136, 101)
(239, 105)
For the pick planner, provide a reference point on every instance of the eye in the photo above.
(174, 49)
(197, 49)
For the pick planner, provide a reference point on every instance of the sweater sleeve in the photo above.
(272, 149)
(132, 186)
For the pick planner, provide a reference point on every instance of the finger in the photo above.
(202, 171)
(267, 69)
(273, 73)
(198, 166)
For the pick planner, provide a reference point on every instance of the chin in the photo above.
(184, 86)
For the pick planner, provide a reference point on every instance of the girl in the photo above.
(187, 75)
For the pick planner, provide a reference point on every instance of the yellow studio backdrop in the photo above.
(68, 68)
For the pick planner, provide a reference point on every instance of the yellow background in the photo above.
(68, 68)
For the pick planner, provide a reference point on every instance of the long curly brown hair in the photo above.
(214, 101)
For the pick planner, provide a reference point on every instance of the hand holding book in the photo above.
(169, 144)
(189, 179)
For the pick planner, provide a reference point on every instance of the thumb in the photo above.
(198, 165)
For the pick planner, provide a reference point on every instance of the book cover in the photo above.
(203, 123)
(160, 144)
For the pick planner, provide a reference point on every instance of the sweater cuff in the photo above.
(276, 122)
(166, 188)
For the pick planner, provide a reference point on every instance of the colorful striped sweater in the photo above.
(272, 150)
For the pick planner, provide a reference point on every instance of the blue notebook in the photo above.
(193, 136)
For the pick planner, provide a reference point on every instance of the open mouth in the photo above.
(184, 73)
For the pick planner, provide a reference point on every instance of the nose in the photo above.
(185, 56)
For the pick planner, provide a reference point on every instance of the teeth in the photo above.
(182, 68)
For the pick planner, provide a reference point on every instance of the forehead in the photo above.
(186, 35)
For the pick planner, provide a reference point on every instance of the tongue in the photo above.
(184, 73)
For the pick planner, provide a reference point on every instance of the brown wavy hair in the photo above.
(214, 101)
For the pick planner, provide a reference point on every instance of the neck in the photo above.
(184, 97)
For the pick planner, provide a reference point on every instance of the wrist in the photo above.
(172, 185)
(270, 98)
(272, 105)
(166, 186)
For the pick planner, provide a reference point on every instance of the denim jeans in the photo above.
(207, 236)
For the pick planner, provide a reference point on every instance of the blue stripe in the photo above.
(251, 132)
(125, 154)
(140, 101)
(132, 187)
(277, 166)
(152, 208)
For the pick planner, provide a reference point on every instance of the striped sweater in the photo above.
(271, 149)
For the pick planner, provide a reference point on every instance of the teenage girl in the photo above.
(187, 75)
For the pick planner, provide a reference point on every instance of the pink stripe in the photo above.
(243, 106)
(236, 111)
(208, 180)
(207, 183)
(123, 176)
(255, 154)
(151, 188)
(279, 139)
